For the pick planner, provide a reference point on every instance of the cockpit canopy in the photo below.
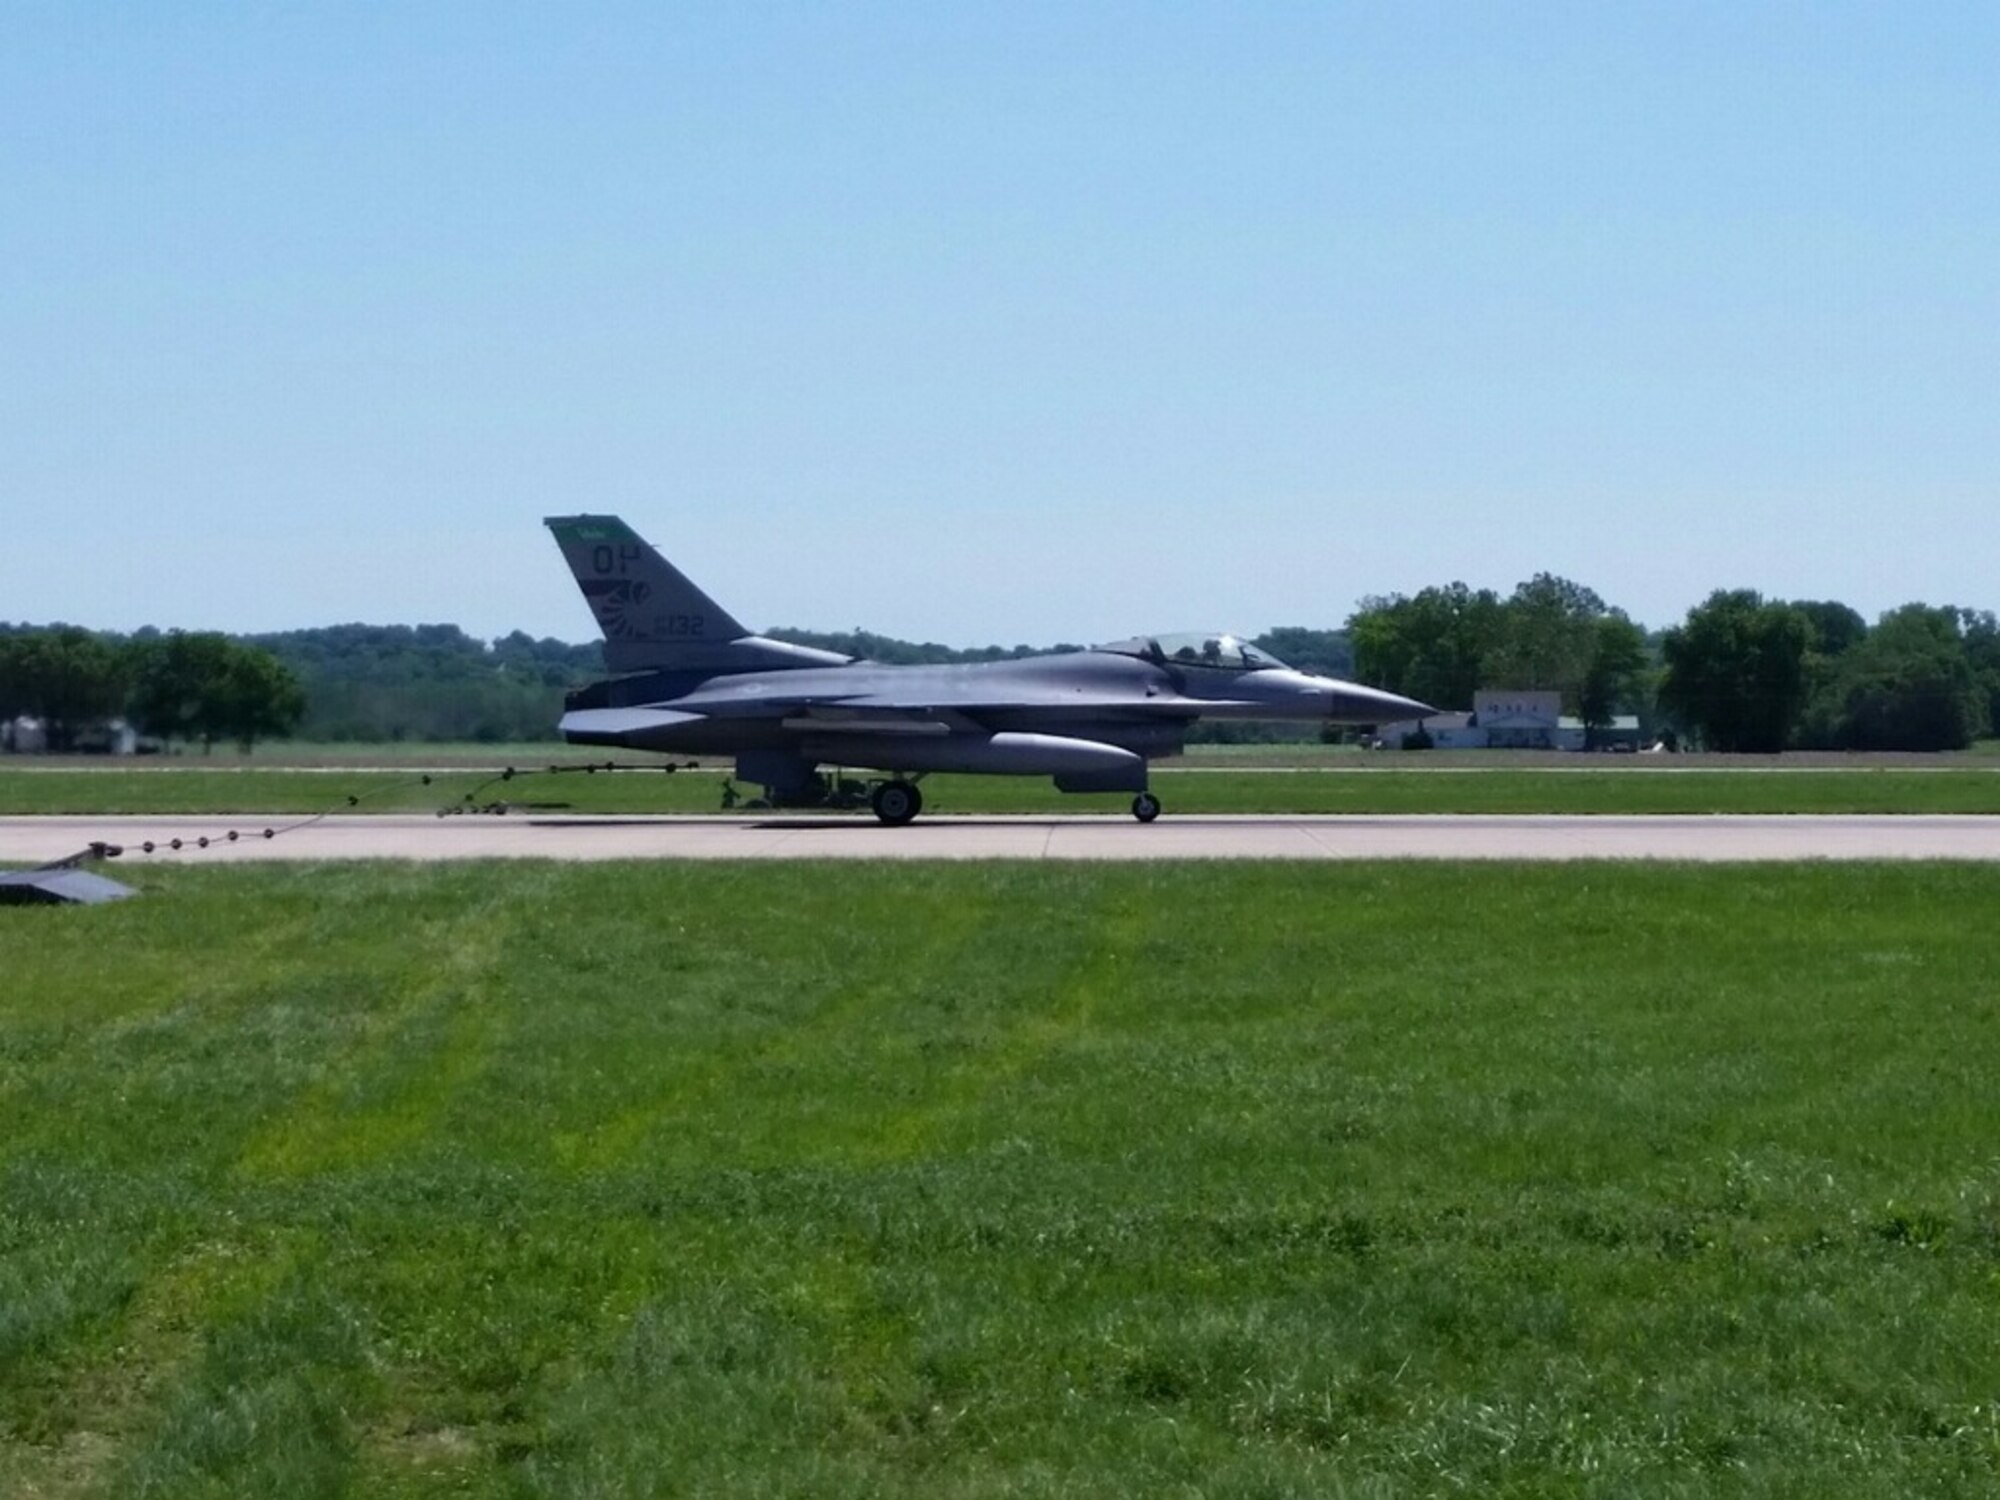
(1195, 648)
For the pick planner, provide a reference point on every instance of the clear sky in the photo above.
(1010, 322)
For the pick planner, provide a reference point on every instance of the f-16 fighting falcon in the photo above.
(694, 681)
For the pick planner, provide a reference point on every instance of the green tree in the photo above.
(259, 697)
(1910, 685)
(1430, 645)
(1548, 637)
(1551, 633)
(1982, 650)
(13, 675)
(1836, 628)
(66, 676)
(204, 686)
(173, 688)
(1327, 652)
(1736, 672)
(1615, 672)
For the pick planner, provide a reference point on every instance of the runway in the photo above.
(1721, 839)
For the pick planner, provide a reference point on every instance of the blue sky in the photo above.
(982, 322)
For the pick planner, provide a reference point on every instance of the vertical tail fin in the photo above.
(651, 615)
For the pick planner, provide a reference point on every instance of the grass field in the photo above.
(892, 1180)
(280, 753)
(1183, 791)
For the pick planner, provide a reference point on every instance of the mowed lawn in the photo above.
(1216, 790)
(860, 1180)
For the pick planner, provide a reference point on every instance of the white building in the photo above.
(1509, 719)
(30, 736)
(1516, 720)
(24, 736)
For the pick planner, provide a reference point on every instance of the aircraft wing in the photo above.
(817, 714)
(929, 709)
(974, 699)
(929, 700)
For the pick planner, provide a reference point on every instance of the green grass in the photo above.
(373, 753)
(963, 1180)
(1249, 791)
(1277, 753)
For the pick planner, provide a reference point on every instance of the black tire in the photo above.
(897, 802)
(1145, 807)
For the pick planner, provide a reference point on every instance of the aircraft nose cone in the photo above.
(1351, 703)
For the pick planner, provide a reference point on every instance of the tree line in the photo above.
(430, 683)
(194, 688)
(337, 683)
(1741, 673)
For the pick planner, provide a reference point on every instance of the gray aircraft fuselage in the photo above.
(698, 683)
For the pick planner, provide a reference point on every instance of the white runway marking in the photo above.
(785, 836)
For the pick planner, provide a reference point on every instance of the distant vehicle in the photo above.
(695, 681)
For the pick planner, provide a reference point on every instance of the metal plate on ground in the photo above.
(59, 888)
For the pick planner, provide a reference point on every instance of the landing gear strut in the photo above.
(897, 802)
(1145, 807)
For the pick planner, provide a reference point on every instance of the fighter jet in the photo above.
(692, 680)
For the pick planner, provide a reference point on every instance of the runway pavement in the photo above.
(778, 836)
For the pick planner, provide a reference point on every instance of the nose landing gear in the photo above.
(1145, 807)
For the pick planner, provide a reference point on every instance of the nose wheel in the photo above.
(897, 802)
(1145, 807)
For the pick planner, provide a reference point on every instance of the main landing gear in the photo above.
(897, 802)
(1145, 807)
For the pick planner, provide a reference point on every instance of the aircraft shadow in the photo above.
(827, 824)
(790, 825)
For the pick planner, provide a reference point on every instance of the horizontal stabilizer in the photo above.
(614, 725)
